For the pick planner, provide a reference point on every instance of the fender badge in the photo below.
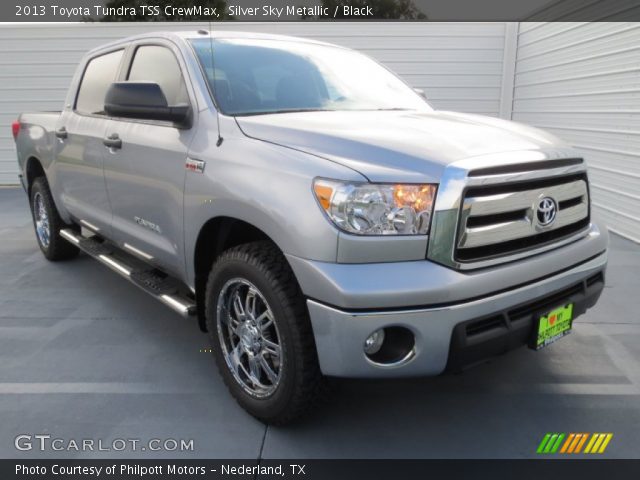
(194, 165)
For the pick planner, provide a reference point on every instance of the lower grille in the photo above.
(506, 319)
(501, 220)
(476, 340)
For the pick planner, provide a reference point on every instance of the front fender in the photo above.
(267, 186)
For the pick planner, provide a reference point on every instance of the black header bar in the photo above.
(583, 469)
(319, 10)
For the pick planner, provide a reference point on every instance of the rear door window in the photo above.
(153, 63)
(99, 74)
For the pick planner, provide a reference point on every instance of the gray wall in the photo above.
(458, 65)
(581, 81)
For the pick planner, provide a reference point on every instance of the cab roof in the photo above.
(183, 36)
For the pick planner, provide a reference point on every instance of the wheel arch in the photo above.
(217, 235)
(33, 169)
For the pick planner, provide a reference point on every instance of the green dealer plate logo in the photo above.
(554, 325)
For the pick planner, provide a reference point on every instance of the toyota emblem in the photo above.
(546, 211)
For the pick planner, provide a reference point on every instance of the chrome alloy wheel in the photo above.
(42, 219)
(249, 337)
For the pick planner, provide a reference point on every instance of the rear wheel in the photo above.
(47, 223)
(261, 335)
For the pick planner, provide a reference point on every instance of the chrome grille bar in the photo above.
(498, 218)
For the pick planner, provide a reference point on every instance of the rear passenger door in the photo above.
(79, 148)
(145, 177)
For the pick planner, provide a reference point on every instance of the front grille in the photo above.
(504, 219)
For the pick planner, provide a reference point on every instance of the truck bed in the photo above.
(36, 139)
(46, 120)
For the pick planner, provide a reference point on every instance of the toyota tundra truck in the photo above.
(311, 210)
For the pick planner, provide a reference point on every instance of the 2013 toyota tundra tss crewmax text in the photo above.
(311, 210)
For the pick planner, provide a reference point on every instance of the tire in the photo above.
(273, 312)
(47, 223)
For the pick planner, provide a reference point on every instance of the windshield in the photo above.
(254, 77)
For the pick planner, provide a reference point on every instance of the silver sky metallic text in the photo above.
(271, 11)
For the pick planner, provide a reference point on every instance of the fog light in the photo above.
(373, 343)
(391, 346)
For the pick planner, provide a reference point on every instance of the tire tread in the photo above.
(309, 384)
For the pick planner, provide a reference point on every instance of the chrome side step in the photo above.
(166, 290)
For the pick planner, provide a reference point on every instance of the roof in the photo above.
(192, 34)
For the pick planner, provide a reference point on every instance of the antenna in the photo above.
(213, 83)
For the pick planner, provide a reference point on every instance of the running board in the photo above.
(164, 289)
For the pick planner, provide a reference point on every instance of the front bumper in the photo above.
(442, 334)
(496, 297)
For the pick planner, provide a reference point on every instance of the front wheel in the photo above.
(260, 333)
(47, 223)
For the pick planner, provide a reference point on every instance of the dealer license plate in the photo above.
(553, 326)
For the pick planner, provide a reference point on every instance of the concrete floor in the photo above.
(83, 354)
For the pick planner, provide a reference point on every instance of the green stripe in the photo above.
(543, 443)
(557, 445)
(550, 443)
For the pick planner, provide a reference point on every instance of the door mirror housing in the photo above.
(145, 101)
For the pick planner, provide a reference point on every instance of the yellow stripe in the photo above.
(598, 442)
(605, 443)
(590, 444)
(582, 440)
(567, 442)
(574, 443)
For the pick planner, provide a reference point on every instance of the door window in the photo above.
(100, 73)
(153, 63)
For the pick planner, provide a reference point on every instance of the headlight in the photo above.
(377, 209)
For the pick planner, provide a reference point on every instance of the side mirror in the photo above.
(145, 101)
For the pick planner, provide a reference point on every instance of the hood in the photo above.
(396, 145)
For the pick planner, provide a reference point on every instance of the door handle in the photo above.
(113, 141)
(61, 132)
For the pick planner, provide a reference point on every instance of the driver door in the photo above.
(145, 174)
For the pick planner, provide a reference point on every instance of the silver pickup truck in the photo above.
(311, 210)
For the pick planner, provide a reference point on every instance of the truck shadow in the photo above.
(497, 409)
